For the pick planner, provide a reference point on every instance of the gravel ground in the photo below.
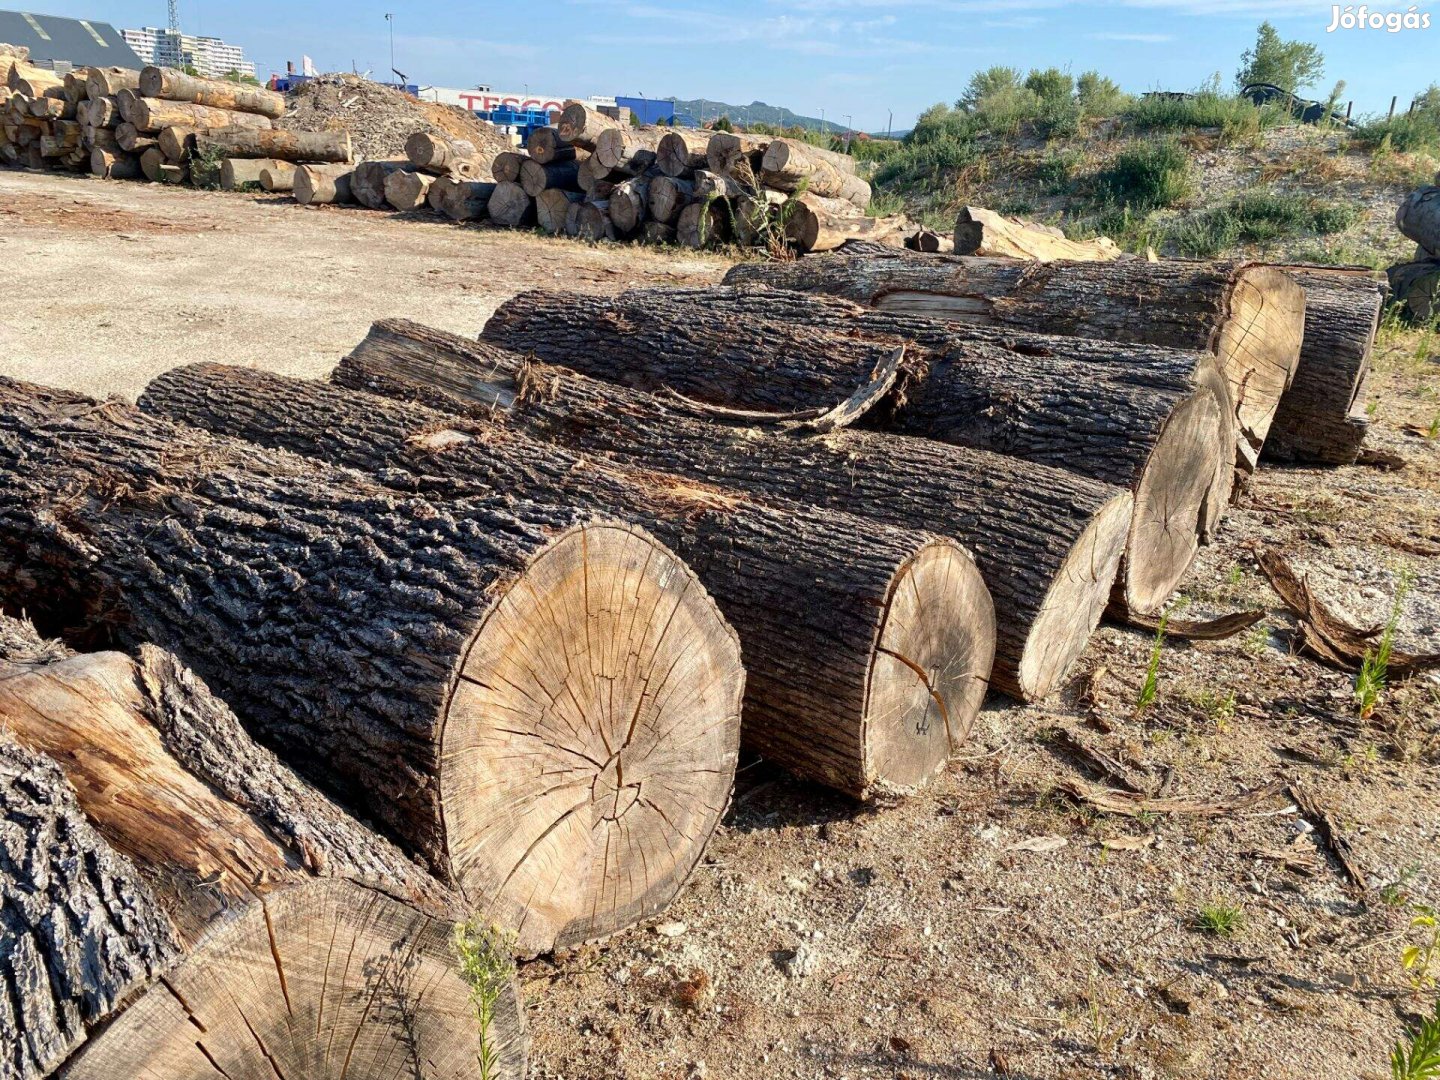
(992, 925)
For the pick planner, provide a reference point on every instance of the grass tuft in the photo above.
(1375, 670)
(1222, 920)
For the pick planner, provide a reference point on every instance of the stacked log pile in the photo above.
(1416, 283)
(50, 121)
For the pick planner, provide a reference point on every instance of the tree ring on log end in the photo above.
(935, 646)
(590, 745)
(1075, 600)
(1259, 350)
(326, 979)
(1170, 501)
(1217, 501)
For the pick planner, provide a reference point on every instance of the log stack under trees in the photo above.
(179, 895)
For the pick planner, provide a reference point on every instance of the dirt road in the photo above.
(992, 925)
(137, 278)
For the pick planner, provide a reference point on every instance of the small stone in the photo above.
(797, 963)
(670, 929)
(794, 884)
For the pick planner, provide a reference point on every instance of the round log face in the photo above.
(1171, 500)
(1074, 603)
(1259, 350)
(582, 779)
(327, 980)
(931, 667)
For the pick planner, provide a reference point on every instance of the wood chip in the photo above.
(1217, 629)
(1329, 829)
(1098, 762)
(1132, 805)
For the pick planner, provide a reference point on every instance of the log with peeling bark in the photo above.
(317, 185)
(511, 205)
(1133, 416)
(1252, 317)
(114, 166)
(815, 223)
(173, 85)
(628, 204)
(788, 165)
(436, 154)
(581, 125)
(1321, 419)
(896, 628)
(668, 196)
(107, 81)
(628, 150)
(506, 167)
(372, 637)
(551, 208)
(321, 147)
(1048, 542)
(462, 200)
(367, 182)
(152, 114)
(1418, 218)
(731, 152)
(702, 224)
(278, 176)
(406, 190)
(546, 147)
(717, 185)
(535, 177)
(983, 232)
(221, 882)
(682, 151)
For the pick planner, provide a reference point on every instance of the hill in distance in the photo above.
(757, 112)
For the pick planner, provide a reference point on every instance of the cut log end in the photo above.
(930, 671)
(328, 979)
(1259, 351)
(1073, 604)
(1171, 500)
(630, 717)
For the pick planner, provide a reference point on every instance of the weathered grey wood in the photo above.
(546, 147)
(462, 200)
(317, 185)
(437, 154)
(405, 190)
(1047, 542)
(628, 203)
(1418, 217)
(845, 595)
(668, 196)
(373, 637)
(703, 224)
(367, 181)
(628, 150)
(788, 165)
(511, 206)
(536, 177)
(581, 125)
(552, 206)
(682, 151)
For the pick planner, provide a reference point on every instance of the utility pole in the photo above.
(390, 21)
(889, 123)
(849, 130)
(822, 122)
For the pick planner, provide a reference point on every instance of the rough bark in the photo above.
(551, 208)
(1418, 217)
(250, 874)
(511, 206)
(628, 150)
(788, 165)
(1321, 419)
(536, 177)
(172, 85)
(367, 182)
(832, 687)
(669, 196)
(316, 185)
(405, 190)
(395, 652)
(1251, 317)
(324, 147)
(546, 147)
(682, 151)
(152, 114)
(1047, 542)
(1133, 416)
(581, 125)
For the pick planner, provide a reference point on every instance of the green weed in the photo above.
(1259, 218)
(1151, 686)
(1374, 670)
(1222, 920)
(1419, 961)
(1417, 1055)
(487, 966)
(1150, 175)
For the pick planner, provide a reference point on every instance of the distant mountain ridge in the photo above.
(757, 112)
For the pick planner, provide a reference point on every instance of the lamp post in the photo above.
(390, 21)
(822, 121)
(849, 128)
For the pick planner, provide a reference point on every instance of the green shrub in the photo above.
(1148, 176)
(1416, 132)
(1052, 84)
(1056, 174)
(1098, 96)
(1004, 111)
(1231, 114)
(982, 84)
(920, 166)
(1259, 217)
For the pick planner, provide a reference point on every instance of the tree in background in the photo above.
(991, 82)
(723, 124)
(1289, 65)
(1099, 96)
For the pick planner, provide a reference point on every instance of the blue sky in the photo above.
(861, 58)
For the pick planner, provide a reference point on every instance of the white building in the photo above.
(209, 56)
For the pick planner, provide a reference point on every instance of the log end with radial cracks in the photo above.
(327, 980)
(1172, 498)
(1259, 351)
(590, 745)
(1073, 604)
(934, 650)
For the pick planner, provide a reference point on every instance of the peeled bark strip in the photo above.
(511, 206)
(551, 207)
(629, 150)
(397, 653)
(1132, 416)
(1251, 317)
(682, 151)
(152, 114)
(867, 649)
(581, 125)
(322, 184)
(406, 190)
(245, 879)
(535, 177)
(794, 166)
(325, 147)
(172, 85)
(81, 933)
(1048, 543)
(367, 182)
(546, 146)
(1321, 419)
(1418, 217)
(669, 196)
